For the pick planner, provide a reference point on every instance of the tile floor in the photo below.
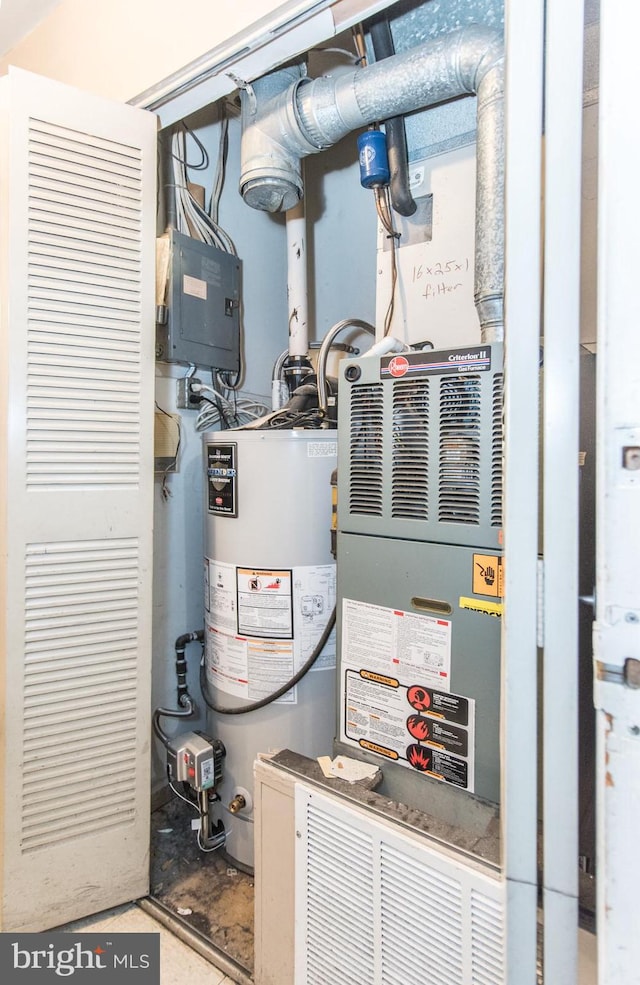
(179, 964)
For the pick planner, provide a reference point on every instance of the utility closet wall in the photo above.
(434, 293)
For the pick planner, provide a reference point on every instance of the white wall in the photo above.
(119, 48)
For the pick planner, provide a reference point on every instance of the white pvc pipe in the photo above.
(297, 293)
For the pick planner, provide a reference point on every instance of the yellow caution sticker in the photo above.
(369, 675)
(488, 575)
(480, 605)
(381, 750)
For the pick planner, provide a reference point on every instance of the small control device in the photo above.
(196, 759)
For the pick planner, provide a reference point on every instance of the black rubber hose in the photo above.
(181, 663)
(186, 712)
(187, 707)
(255, 705)
(401, 198)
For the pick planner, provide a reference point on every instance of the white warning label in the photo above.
(263, 625)
(398, 643)
(396, 700)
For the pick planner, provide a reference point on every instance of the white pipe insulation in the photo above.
(297, 292)
(287, 116)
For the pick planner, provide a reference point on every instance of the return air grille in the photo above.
(487, 940)
(340, 903)
(84, 310)
(459, 467)
(432, 936)
(496, 452)
(80, 689)
(410, 450)
(365, 488)
(376, 906)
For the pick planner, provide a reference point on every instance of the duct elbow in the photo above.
(272, 142)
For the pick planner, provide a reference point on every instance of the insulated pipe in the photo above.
(297, 294)
(310, 116)
(270, 143)
(401, 198)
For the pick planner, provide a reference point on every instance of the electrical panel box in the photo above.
(202, 319)
(420, 572)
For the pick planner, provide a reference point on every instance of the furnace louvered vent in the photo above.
(365, 487)
(459, 471)
(496, 452)
(421, 454)
(410, 450)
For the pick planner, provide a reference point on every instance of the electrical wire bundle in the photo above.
(192, 219)
(223, 407)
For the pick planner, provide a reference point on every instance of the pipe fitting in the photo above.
(236, 805)
(272, 143)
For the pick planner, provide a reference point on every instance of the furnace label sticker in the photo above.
(437, 362)
(396, 643)
(265, 602)
(488, 575)
(418, 727)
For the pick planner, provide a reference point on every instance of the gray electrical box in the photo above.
(420, 572)
(202, 323)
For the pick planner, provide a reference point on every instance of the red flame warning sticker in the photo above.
(421, 728)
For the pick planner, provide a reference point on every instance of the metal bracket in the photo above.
(628, 674)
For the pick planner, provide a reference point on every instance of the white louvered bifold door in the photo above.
(76, 410)
(377, 904)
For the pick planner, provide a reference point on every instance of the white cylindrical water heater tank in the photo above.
(270, 590)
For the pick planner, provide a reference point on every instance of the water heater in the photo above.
(270, 588)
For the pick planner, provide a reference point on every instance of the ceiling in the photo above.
(19, 17)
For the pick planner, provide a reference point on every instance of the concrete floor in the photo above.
(179, 964)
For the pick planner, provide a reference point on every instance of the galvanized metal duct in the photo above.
(296, 116)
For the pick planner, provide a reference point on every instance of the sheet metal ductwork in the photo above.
(287, 116)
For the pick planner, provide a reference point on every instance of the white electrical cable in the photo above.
(238, 412)
(202, 847)
(192, 220)
(186, 799)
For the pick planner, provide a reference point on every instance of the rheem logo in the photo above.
(398, 366)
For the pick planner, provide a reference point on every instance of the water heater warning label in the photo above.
(396, 700)
(265, 602)
(263, 624)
